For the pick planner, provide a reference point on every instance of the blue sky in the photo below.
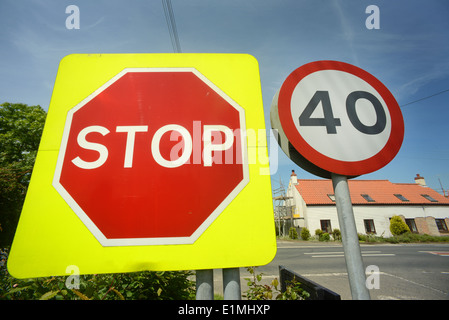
(409, 54)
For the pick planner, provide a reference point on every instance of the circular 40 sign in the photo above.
(333, 117)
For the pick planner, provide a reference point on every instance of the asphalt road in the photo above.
(406, 271)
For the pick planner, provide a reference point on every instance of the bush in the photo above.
(258, 291)
(372, 238)
(406, 237)
(292, 233)
(318, 233)
(336, 234)
(305, 234)
(409, 237)
(398, 226)
(324, 237)
(145, 285)
(121, 286)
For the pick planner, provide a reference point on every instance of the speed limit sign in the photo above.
(334, 117)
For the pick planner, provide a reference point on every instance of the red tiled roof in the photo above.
(315, 192)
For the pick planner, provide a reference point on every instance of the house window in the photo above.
(441, 224)
(326, 226)
(368, 198)
(429, 198)
(401, 197)
(412, 225)
(332, 197)
(369, 226)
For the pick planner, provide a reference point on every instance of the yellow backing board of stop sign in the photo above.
(51, 240)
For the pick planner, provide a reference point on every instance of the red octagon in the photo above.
(152, 157)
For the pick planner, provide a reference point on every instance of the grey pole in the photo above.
(231, 284)
(351, 246)
(205, 284)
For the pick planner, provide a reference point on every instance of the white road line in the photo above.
(307, 247)
(333, 252)
(378, 255)
(311, 275)
(413, 282)
(363, 255)
(341, 254)
(330, 274)
(329, 256)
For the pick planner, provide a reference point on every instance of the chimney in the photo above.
(293, 178)
(420, 180)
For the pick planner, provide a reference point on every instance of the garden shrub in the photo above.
(324, 236)
(336, 233)
(398, 226)
(258, 291)
(292, 233)
(305, 234)
(144, 285)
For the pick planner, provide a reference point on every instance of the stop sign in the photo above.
(152, 157)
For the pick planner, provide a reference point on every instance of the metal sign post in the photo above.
(205, 284)
(351, 246)
(231, 284)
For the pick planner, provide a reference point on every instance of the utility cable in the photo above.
(171, 24)
(433, 95)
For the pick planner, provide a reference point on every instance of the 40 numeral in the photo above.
(331, 123)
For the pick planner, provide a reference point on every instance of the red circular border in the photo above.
(348, 168)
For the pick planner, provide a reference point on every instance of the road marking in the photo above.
(438, 253)
(330, 274)
(341, 254)
(329, 256)
(413, 282)
(309, 247)
(345, 274)
(333, 252)
(363, 255)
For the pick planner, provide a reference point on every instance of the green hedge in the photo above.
(145, 285)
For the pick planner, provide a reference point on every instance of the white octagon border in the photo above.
(105, 242)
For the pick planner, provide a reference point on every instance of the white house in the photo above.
(374, 203)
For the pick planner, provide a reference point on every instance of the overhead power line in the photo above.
(433, 95)
(171, 23)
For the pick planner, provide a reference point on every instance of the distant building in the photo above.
(374, 203)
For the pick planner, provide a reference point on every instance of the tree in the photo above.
(398, 226)
(21, 128)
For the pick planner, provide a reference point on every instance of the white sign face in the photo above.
(315, 100)
(340, 118)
